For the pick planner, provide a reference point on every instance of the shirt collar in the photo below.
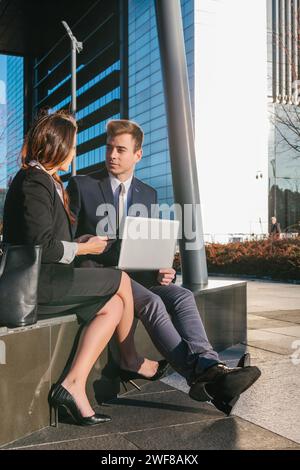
(38, 164)
(115, 183)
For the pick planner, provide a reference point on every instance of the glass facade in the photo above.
(284, 169)
(15, 114)
(99, 88)
(2, 125)
(284, 148)
(146, 98)
(99, 85)
(95, 155)
(98, 80)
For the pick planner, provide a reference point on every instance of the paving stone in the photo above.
(177, 381)
(256, 322)
(270, 296)
(259, 355)
(112, 442)
(130, 413)
(271, 341)
(292, 316)
(288, 330)
(273, 402)
(227, 433)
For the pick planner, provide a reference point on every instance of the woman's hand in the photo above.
(94, 246)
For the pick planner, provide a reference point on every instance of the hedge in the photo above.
(275, 259)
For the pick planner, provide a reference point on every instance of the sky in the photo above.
(231, 116)
(2, 115)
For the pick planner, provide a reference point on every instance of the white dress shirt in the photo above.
(115, 183)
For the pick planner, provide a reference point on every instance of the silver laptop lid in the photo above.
(148, 244)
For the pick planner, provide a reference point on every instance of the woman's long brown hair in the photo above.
(49, 141)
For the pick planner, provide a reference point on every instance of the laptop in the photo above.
(148, 244)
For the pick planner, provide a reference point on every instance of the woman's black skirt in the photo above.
(90, 290)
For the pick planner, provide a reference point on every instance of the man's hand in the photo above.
(165, 276)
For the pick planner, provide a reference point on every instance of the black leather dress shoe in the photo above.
(223, 385)
(227, 406)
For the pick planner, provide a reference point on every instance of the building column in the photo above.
(181, 138)
(28, 92)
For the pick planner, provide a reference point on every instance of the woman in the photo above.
(37, 212)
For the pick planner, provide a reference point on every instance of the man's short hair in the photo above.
(124, 126)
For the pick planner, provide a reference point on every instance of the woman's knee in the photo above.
(114, 308)
(125, 285)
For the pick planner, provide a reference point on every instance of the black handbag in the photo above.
(19, 276)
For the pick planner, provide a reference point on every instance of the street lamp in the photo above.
(76, 46)
(273, 164)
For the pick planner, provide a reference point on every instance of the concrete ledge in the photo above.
(223, 309)
(32, 358)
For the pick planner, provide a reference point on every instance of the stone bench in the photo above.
(33, 357)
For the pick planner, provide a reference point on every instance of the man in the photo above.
(275, 229)
(168, 312)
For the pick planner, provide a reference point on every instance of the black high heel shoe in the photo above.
(60, 397)
(129, 375)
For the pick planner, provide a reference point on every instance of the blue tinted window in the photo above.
(15, 113)
(146, 98)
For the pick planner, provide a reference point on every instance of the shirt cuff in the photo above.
(70, 250)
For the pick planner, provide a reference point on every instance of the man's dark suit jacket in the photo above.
(87, 194)
(275, 228)
(34, 214)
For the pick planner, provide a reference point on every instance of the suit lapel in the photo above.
(105, 189)
(135, 192)
(138, 195)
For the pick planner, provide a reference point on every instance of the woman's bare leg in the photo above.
(125, 335)
(94, 339)
(117, 315)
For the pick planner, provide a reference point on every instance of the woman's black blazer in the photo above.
(34, 214)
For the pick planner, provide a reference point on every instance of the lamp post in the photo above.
(76, 47)
(273, 164)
